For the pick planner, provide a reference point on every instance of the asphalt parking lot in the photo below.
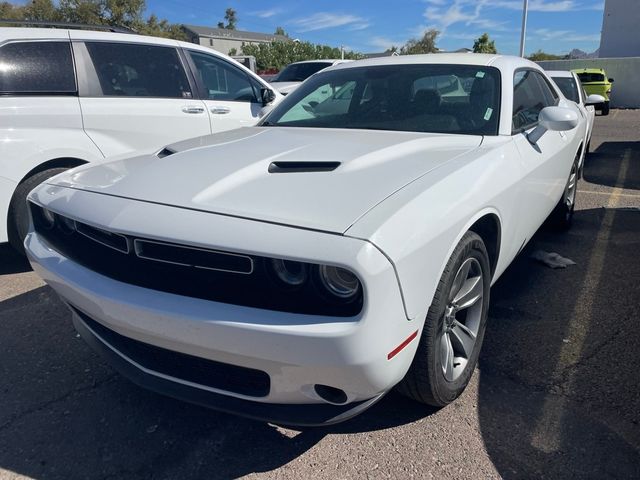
(556, 394)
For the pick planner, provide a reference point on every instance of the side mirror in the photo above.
(267, 95)
(556, 119)
(594, 99)
(611, 80)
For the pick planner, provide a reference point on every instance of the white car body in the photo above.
(391, 212)
(42, 131)
(287, 87)
(587, 110)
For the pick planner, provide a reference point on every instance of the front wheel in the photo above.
(605, 108)
(454, 328)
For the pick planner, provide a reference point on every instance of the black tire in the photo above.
(425, 381)
(605, 108)
(561, 217)
(18, 220)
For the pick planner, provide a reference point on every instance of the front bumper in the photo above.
(296, 351)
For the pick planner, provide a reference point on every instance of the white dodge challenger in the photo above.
(298, 270)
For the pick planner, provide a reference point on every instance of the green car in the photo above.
(595, 81)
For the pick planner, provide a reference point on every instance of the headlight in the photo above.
(48, 217)
(339, 281)
(66, 224)
(290, 272)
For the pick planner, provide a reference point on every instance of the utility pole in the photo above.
(523, 33)
(342, 51)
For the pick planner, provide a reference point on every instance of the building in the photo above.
(619, 37)
(224, 40)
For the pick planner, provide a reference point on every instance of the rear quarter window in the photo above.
(37, 68)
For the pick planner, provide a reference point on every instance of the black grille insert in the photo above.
(227, 277)
(209, 373)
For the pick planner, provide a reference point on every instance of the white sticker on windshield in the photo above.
(480, 75)
(487, 114)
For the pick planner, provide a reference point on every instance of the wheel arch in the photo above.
(489, 228)
(61, 162)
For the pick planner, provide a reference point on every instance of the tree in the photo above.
(540, 55)
(280, 31)
(426, 44)
(230, 15)
(483, 45)
(278, 54)
(41, 10)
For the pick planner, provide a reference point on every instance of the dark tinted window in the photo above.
(132, 70)
(298, 72)
(568, 87)
(530, 96)
(415, 98)
(221, 80)
(591, 77)
(37, 67)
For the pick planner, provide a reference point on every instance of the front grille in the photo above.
(209, 373)
(189, 271)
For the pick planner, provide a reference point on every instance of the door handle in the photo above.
(192, 109)
(220, 110)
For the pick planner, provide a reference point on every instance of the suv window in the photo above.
(37, 67)
(221, 80)
(530, 95)
(590, 77)
(136, 70)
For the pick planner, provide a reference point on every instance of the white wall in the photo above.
(625, 92)
(620, 22)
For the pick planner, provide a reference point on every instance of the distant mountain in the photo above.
(577, 53)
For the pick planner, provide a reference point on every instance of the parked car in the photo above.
(298, 270)
(295, 73)
(572, 89)
(596, 82)
(72, 96)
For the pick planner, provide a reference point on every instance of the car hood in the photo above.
(248, 173)
(285, 87)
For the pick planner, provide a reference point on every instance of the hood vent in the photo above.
(165, 152)
(291, 167)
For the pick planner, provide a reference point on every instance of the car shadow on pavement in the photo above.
(10, 262)
(559, 393)
(604, 164)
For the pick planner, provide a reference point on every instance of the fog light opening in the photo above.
(331, 394)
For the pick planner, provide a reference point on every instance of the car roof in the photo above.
(560, 73)
(502, 62)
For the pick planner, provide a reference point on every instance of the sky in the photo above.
(554, 26)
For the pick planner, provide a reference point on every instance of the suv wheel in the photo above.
(18, 220)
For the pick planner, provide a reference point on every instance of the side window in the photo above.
(529, 99)
(551, 97)
(37, 67)
(137, 70)
(221, 80)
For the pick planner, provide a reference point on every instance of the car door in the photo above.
(136, 97)
(232, 97)
(546, 163)
(590, 110)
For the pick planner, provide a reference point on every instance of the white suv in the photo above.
(70, 97)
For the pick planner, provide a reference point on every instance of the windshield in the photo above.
(413, 98)
(299, 72)
(590, 77)
(568, 87)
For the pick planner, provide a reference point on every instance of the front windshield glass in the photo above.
(568, 87)
(299, 72)
(413, 98)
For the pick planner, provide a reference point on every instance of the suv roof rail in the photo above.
(79, 26)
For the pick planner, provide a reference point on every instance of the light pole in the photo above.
(523, 33)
